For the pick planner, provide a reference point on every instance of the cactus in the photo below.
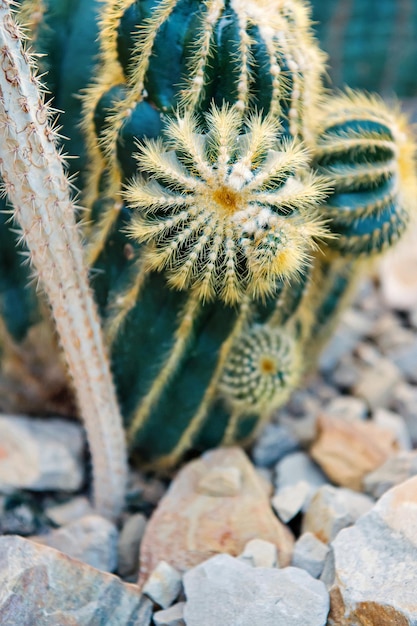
(231, 205)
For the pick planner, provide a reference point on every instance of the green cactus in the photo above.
(231, 204)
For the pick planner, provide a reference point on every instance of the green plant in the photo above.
(231, 205)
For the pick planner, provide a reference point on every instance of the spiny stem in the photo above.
(35, 181)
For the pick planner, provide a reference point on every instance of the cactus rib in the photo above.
(35, 182)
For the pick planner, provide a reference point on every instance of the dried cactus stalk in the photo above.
(36, 184)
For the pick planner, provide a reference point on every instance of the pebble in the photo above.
(310, 554)
(376, 564)
(353, 326)
(405, 358)
(163, 585)
(346, 374)
(173, 616)
(376, 382)
(91, 539)
(39, 585)
(275, 442)
(393, 472)
(346, 407)
(260, 553)
(290, 500)
(404, 402)
(224, 591)
(18, 520)
(389, 334)
(62, 514)
(188, 526)
(333, 508)
(396, 424)
(348, 450)
(129, 544)
(40, 454)
(298, 467)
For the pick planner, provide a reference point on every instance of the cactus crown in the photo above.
(226, 213)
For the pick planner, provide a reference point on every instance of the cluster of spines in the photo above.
(271, 52)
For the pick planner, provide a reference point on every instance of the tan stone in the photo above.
(348, 450)
(189, 527)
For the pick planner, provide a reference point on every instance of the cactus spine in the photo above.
(35, 182)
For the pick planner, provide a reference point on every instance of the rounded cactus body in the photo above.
(229, 201)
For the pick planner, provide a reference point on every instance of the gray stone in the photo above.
(290, 500)
(303, 429)
(39, 585)
(346, 374)
(260, 553)
(163, 585)
(405, 358)
(393, 472)
(347, 407)
(376, 563)
(62, 514)
(332, 509)
(174, 616)
(377, 381)
(91, 539)
(129, 544)
(354, 325)
(297, 467)
(310, 554)
(404, 402)
(224, 591)
(40, 454)
(396, 424)
(18, 520)
(275, 442)
(389, 334)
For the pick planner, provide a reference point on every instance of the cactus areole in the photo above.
(232, 203)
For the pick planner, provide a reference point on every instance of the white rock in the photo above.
(129, 544)
(260, 553)
(223, 591)
(91, 539)
(163, 585)
(273, 444)
(354, 325)
(347, 407)
(310, 554)
(332, 509)
(40, 454)
(404, 402)
(297, 480)
(173, 616)
(70, 511)
(289, 501)
(396, 424)
(376, 563)
(393, 472)
(377, 381)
